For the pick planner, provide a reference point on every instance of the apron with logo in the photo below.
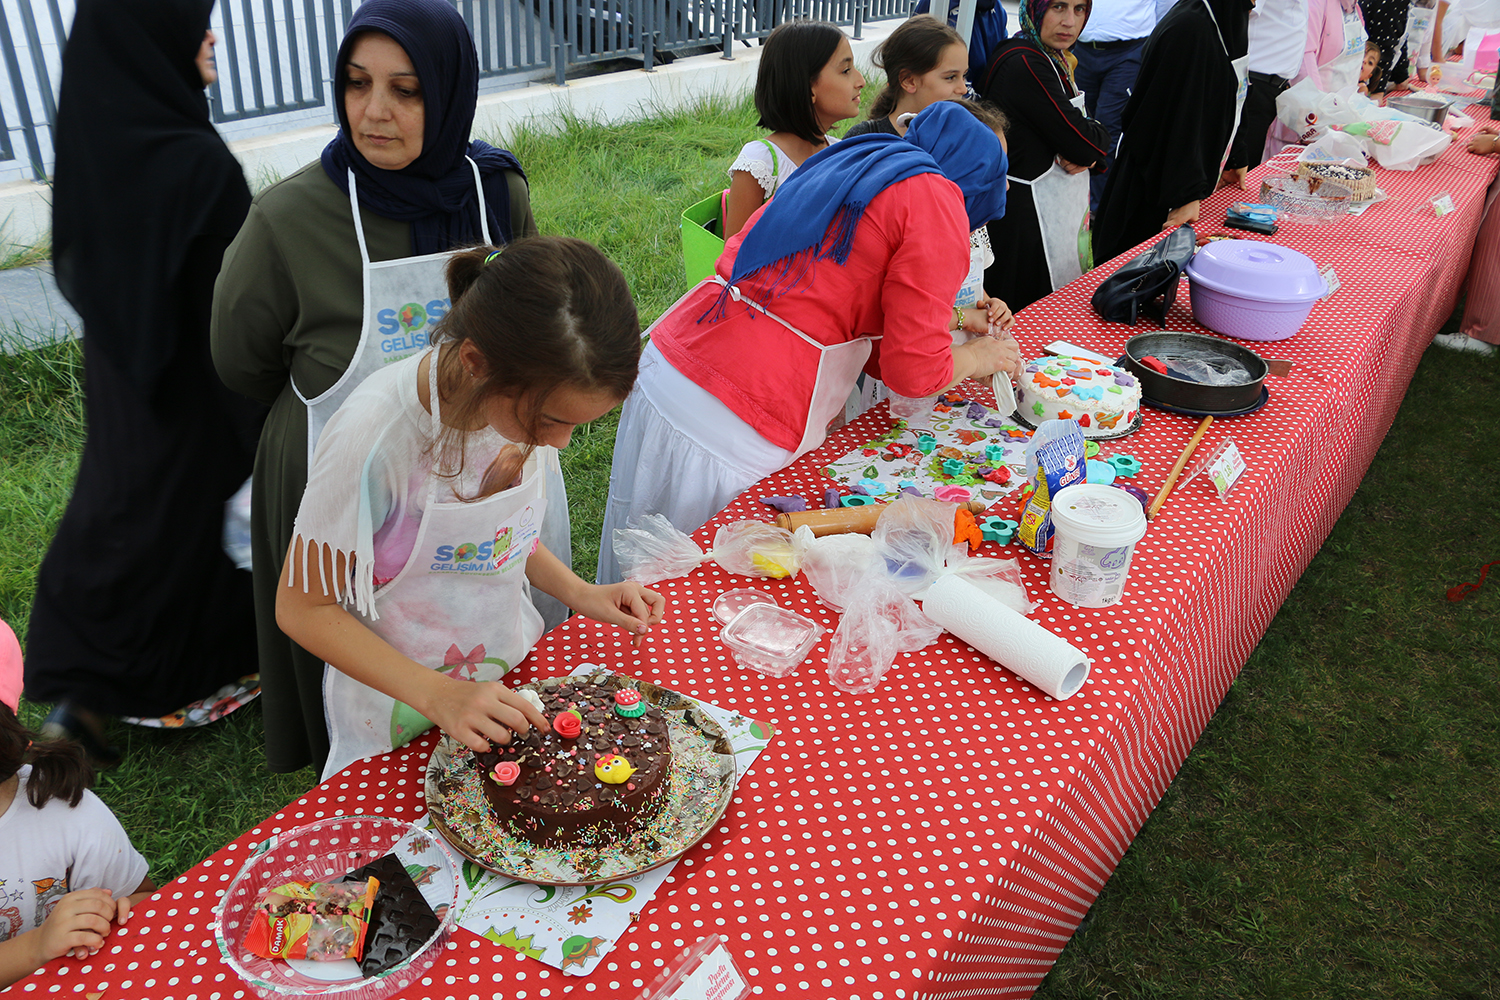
(1241, 67)
(403, 300)
(1062, 213)
(839, 368)
(1342, 72)
(459, 605)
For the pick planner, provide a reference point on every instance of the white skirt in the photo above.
(681, 453)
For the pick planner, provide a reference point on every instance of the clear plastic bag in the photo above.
(1208, 369)
(837, 565)
(915, 538)
(879, 623)
(650, 550)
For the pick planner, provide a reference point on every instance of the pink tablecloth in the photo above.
(943, 836)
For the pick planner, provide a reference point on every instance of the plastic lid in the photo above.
(1257, 270)
(1098, 515)
(733, 603)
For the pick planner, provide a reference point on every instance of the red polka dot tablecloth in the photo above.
(942, 836)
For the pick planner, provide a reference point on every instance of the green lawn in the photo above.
(1334, 833)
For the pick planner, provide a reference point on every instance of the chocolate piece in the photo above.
(401, 920)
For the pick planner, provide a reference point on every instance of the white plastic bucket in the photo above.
(1096, 530)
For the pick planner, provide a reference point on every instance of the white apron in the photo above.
(403, 300)
(1342, 71)
(839, 368)
(459, 605)
(1062, 213)
(1241, 67)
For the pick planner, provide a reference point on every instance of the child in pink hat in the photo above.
(68, 872)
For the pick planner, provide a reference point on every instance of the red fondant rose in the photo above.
(567, 725)
(506, 772)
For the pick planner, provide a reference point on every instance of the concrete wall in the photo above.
(25, 207)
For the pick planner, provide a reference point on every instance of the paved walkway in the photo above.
(32, 311)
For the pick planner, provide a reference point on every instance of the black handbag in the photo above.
(1147, 284)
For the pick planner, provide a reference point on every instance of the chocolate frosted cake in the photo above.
(600, 775)
(1359, 180)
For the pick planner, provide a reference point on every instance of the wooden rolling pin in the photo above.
(848, 520)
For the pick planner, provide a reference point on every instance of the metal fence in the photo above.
(275, 56)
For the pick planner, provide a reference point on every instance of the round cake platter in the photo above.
(1135, 425)
(702, 787)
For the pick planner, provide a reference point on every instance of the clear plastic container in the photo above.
(733, 603)
(323, 852)
(771, 639)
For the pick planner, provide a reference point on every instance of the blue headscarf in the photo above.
(818, 209)
(435, 192)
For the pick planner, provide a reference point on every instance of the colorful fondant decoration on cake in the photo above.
(628, 704)
(568, 725)
(613, 769)
(963, 449)
(1102, 398)
(506, 772)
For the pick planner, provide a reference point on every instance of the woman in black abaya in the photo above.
(1177, 124)
(138, 611)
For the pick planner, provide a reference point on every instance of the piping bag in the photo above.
(1005, 395)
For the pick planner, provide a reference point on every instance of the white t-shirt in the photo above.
(1120, 20)
(767, 163)
(47, 852)
(371, 478)
(1278, 37)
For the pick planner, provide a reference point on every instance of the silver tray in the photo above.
(702, 786)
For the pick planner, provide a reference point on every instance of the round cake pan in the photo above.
(1182, 393)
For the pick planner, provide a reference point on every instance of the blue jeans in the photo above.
(1106, 77)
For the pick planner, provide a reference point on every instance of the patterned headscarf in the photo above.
(1031, 13)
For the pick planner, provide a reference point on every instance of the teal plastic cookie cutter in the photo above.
(926, 444)
(856, 500)
(1099, 472)
(953, 466)
(994, 454)
(1125, 465)
(998, 529)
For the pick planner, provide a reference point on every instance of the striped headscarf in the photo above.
(1031, 13)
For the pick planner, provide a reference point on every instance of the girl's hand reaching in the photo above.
(629, 605)
(481, 714)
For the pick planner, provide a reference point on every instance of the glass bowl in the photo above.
(1306, 200)
(322, 852)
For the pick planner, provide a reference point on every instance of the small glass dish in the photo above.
(1306, 200)
(325, 851)
(733, 603)
(771, 639)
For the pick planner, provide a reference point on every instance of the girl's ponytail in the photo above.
(465, 267)
(58, 767)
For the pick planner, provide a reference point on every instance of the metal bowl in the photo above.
(1431, 109)
(1183, 393)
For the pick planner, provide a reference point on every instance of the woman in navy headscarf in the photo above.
(853, 266)
(314, 297)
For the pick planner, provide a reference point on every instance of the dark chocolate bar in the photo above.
(400, 921)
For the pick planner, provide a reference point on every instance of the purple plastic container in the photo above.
(1253, 290)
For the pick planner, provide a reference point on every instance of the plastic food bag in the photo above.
(1401, 145)
(836, 565)
(755, 548)
(879, 622)
(323, 921)
(1054, 459)
(1209, 369)
(651, 549)
(915, 537)
(1335, 148)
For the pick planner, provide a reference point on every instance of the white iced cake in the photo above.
(1102, 398)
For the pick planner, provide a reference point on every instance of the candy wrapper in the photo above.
(322, 921)
(1054, 459)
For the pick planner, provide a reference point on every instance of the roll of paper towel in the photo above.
(1012, 640)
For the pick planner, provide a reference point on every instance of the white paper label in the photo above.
(1331, 279)
(1442, 205)
(716, 978)
(1226, 469)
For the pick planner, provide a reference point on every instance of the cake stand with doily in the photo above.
(702, 785)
